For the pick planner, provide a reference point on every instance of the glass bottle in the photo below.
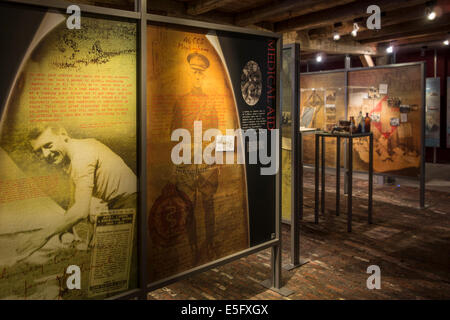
(367, 122)
(360, 120)
(352, 124)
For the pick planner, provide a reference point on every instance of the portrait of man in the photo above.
(95, 171)
(196, 183)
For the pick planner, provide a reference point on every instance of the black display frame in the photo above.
(296, 161)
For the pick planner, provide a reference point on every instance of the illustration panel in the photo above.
(392, 98)
(448, 112)
(322, 105)
(286, 130)
(432, 112)
(68, 185)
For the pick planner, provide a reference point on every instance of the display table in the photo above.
(320, 135)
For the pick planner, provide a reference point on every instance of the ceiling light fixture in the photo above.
(431, 15)
(319, 58)
(429, 11)
(355, 29)
(336, 36)
(446, 42)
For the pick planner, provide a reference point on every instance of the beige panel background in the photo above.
(197, 213)
(397, 148)
(85, 81)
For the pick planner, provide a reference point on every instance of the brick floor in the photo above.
(411, 246)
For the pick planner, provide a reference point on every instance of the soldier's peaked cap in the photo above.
(197, 60)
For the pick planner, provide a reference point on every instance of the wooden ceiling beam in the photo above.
(404, 30)
(328, 31)
(284, 9)
(172, 8)
(311, 58)
(328, 46)
(340, 13)
(406, 35)
(422, 40)
(388, 18)
(204, 6)
(366, 60)
(418, 47)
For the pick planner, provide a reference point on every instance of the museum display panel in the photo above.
(199, 80)
(448, 112)
(68, 171)
(286, 130)
(433, 112)
(392, 97)
(322, 105)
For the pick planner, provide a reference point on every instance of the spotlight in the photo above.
(319, 58)
(390, 49)
(355, 29)
(431, 14)
(446, 43)
(336, 36)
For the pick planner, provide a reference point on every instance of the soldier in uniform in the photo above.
(198, 181)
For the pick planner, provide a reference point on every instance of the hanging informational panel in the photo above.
(322, 105)
(433, 112)
(286, 129)
(68, 184)
(204, 203)
(448, 112)
(392, 98)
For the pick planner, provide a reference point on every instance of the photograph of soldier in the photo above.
(197, 212)
(195, 184)
(198, 181)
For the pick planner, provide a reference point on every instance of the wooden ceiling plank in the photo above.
(410, 25)
(172, 8)
(283, 8)
(406, 35)
(440, 36)
(317, 6)
(203, 6)
(340, 13)
(328, 46)
(416, 28)
(389, 18)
